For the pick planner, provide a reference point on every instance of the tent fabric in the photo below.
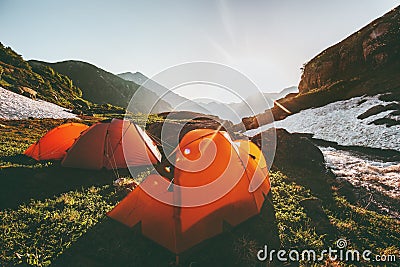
(102, 146)
(54, 144)
(230, 171)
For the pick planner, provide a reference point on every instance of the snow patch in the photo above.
(337, 122)
(15, 107)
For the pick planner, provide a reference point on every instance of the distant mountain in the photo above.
(101, 87)
(259, 105)
(283, 93)
(252, 105)
(271, 97)
(365, 63)
(176, 101)
(230, 111)
(40, 82)
(136, 77)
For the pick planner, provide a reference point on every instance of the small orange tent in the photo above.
(53, 145)
(112, 145)
(212, 187)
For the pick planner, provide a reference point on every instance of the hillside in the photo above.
(175, 100)
(142, 80)
(365, 63)
(229, 111)
(101, 87)
(254, 104)
(137, 77)
(259, 106)
(40, 82)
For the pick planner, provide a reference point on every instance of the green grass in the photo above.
(362, 229)
(295, 230)
(37, 232)
(51, 215)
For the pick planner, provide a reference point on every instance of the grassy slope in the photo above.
(72, 84)
(54, 215)
(100, 86)
(50, 85)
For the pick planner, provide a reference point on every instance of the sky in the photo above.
(268, 41)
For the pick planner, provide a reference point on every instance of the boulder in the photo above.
(294, 151)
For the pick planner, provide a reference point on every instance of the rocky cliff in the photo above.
(365, 63)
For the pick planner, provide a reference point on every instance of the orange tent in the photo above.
(213, 180)
(53, 145)
(103, 144)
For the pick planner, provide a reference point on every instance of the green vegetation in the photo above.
(295, 229)
(361, 228)
(37, 232)
(76, 85)
(17, 75)
(51, 215)
(104, 88)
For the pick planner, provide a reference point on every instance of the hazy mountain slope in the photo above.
(20, 77)
(175, 100)
(254, 104)
(283, 93)
(258, 104)
(100, 86)
(136, 77)
(231, 111)
(365, 63)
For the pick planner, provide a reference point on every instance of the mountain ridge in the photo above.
(167, 95)
(251, 105)
(103, 87)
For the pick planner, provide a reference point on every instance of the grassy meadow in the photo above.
(54, 216)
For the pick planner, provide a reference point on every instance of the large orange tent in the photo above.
(54, 144)
(112, 145)
(213, 180)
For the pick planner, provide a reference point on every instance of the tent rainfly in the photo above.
(216, 182)
(54, 144)
(112, 145)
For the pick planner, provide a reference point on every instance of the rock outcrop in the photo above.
(294, 151)
(365, 63)
(298, 157)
